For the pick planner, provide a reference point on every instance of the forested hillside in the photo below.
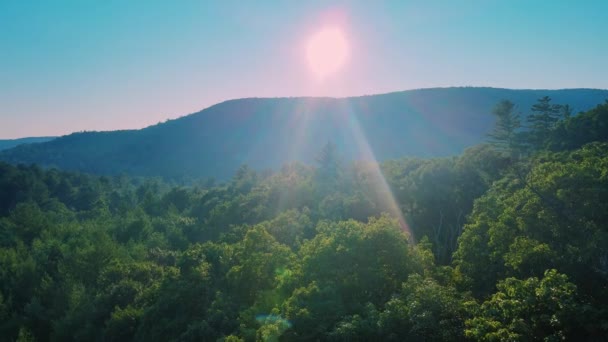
(267, 133)
(506, 242)
(10, 143)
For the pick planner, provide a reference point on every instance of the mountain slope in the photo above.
(10, 143)
(265, 133)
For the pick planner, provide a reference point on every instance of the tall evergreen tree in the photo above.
(504, 135)
(329, 169)
(543, 118)
(544, 114)
(566, 112)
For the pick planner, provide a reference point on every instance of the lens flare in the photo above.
(381, 191)
(302, 123)
(327, 51)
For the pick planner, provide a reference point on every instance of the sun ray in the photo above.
(382, 191)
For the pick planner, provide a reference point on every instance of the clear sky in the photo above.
(112, 64)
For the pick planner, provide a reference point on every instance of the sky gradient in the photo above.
(78, 65)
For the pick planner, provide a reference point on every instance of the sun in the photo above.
(327, 51)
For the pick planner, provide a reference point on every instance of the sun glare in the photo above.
(327, 51)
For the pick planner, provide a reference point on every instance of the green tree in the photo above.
(555, 216)
(581, 129)
(504, 135)
(529, 310)
(542, 119)
(329, 170)
(566, 112)
(424, 311)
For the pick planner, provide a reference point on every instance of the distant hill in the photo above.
(267, 132)
(10, 143)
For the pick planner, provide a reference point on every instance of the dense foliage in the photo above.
(506, 242)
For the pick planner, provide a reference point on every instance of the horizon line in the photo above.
(295, 97)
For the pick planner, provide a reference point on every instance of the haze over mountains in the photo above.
(5, 144)
(268, 132)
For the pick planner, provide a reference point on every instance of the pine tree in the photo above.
(329, 169)
(566, 112)
(543, 118)
(328, 158)
(504, 135)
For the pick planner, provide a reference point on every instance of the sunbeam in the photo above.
(382, 191)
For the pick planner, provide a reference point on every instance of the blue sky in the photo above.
(98, 65)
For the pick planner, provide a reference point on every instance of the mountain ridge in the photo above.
(6, 144)
(268, 132)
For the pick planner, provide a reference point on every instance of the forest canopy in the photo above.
(506, 242)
